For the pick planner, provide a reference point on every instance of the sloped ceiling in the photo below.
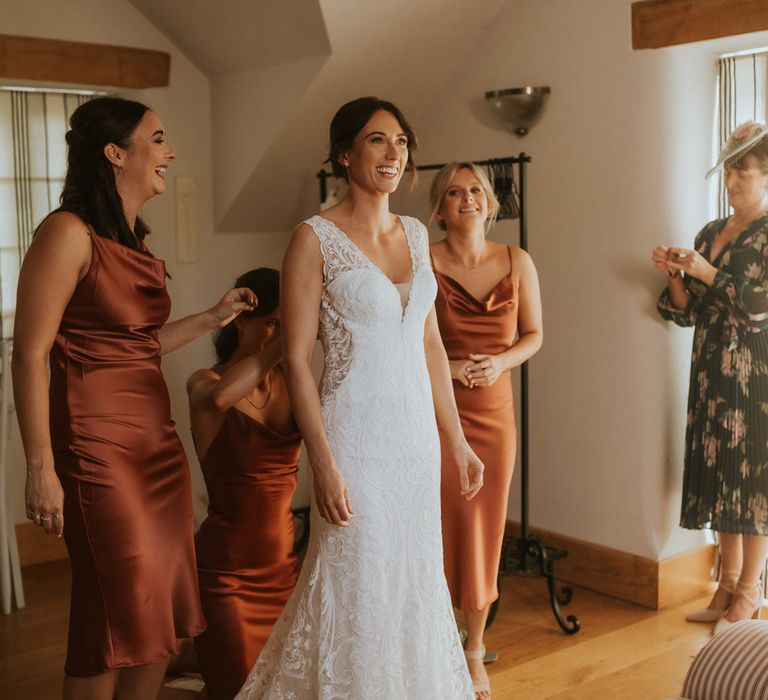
(279, 69)
(229, 36)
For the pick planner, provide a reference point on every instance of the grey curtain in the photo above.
(741, 98)
(32, 168)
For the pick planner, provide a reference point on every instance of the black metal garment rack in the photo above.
(525, 555)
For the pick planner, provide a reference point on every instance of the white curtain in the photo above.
(741, 98)
(33, 160)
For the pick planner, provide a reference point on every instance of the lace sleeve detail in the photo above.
(338, 255)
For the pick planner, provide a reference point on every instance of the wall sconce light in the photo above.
(518, 109)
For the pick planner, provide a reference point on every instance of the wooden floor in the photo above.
(622, 651)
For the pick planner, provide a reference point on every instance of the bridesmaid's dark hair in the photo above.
(349, 121)
(89, 186)
(265, 284)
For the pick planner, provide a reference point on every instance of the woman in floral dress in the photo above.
(721, 288)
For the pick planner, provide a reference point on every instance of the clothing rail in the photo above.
(525, 555)
(323, 174)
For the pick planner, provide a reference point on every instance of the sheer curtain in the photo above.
(33, 158)
(741, 97)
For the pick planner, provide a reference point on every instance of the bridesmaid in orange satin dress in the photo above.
(248, 446)
(105, 467)
(489, 313)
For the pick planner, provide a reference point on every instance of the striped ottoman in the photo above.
(732, 666)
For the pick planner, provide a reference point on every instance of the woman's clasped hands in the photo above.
(673, 261)
(477, 370)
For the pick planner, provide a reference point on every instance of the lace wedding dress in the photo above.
(371, 616)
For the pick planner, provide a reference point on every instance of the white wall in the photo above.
(249, 112)
(185, 110)
(618, 167)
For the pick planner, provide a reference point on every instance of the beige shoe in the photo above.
(753, 594)
(482, 690)
(711, 614)
(705, 615)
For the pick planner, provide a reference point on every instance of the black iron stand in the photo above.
(301, 533)
(527, 555)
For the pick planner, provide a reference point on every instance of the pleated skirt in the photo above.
(725, 483)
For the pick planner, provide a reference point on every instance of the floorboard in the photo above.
(622, 651)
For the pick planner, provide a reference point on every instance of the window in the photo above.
(33, 159)
(741, 97)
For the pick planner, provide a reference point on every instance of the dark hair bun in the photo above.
(264, 282)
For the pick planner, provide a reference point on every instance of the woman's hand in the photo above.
(45, 500)
(692, 263)
(470, 470)
(660, 258)
(459, 370)
(234, 302)
(174, 334)
(332, 495)
(485, 369)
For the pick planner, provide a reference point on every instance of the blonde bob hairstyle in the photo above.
(442, 183)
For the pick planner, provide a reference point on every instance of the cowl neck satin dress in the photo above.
(473, 530)
(245, 557)
(127, 497)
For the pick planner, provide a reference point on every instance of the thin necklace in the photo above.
(269, 396)
(458, 259)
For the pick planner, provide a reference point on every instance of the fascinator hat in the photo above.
(743, 139)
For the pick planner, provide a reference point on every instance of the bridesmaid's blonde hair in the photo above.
(442, 182)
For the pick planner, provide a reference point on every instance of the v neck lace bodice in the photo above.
(361, 305)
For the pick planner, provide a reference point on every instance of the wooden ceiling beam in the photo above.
(56, 61)
(659, 23)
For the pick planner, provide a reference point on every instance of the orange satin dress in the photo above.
(245, 558)
(127, 496)
(473, 530)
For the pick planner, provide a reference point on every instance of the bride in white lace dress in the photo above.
(371, 617)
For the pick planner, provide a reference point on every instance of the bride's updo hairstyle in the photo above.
(89, 186)
(350, 120)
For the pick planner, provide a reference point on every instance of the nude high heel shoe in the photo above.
(728, 584)
(753, 594)
(482, 690)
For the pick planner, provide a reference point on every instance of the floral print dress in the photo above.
(725, 483)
